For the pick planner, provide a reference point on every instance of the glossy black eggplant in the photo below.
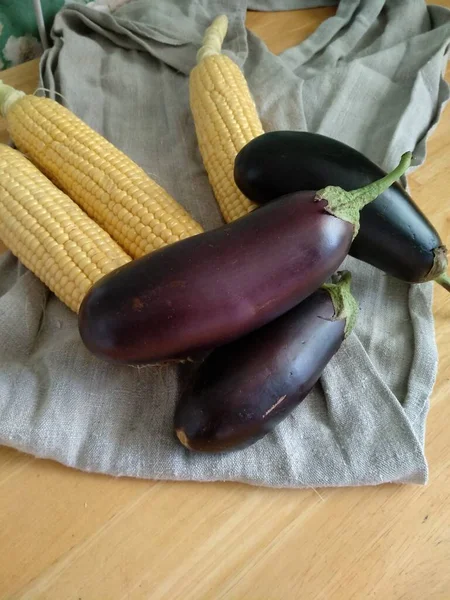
(217, 286)
(394, 236)
(246, 388)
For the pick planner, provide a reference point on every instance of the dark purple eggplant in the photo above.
(244, 389)
(394, 236)
(217, 286)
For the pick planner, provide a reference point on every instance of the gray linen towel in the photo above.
(372, 77)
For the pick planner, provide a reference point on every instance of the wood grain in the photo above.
(68, 535)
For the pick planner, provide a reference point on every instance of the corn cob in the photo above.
(113, 190)
(50, 234)
(225, 118)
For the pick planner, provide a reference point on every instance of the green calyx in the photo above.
(438, 272)
(345, 305)
(347, 205)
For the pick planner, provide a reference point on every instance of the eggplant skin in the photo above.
(217, 286)
(244, 389)
(394, 236)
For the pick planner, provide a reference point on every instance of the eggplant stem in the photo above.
(213, 38)
(345, 305)
(444, 280)
(347, 205)
(366, 194)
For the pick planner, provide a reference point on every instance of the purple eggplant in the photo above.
(395, 236)
(217, 286)
(244, 389)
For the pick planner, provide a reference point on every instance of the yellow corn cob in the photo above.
(225, 118)
(113, 190)
(50, 234)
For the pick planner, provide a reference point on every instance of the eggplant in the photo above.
(217, 286)
(394, 236)
(244, 389)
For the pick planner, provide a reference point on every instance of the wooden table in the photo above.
(66, 534)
